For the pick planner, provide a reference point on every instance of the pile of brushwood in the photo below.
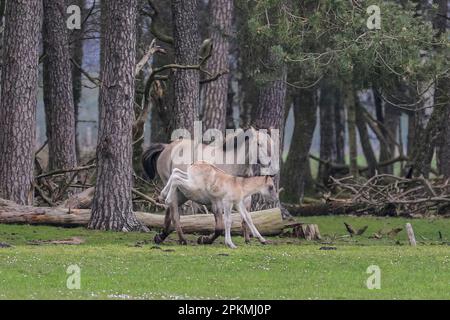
(386, 194)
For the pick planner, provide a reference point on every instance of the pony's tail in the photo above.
(150, 157)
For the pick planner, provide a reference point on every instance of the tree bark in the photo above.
(186, 83)
(216, 92)
(58, 91)
(268, 222)
(328, 137)
(112, 205)
(295, 169)
(270, 114)
(19, 98)
(77, 53)
(365, 139)
(339, 127)
(350, 104)
(443, 96)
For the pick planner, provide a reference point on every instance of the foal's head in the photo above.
(269, 191)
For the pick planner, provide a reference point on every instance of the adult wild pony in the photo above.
(237, 155)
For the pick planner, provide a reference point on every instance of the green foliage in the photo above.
(331, 37)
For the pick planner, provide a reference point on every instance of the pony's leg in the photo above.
(160, 237)
(228, 221)
(174, 202)
(219, 226)
(248, 219)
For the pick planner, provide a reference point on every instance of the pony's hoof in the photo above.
(231, 246)
(158, 239)
(182, 242)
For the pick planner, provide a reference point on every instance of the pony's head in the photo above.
(268, 150)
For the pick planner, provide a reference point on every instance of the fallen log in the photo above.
(268, 222)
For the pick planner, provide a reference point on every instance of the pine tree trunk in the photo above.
(186, 83)
(339, 127)
(350, 104)
(19, 98)
(443, 96)
(327, 130)
(77, 53)
(392, 124)
(216, 92)
(295, 170)
(58, 94)
(112, 205)
(270, 114)
(366, 145)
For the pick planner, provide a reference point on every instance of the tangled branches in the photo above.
(392, 195)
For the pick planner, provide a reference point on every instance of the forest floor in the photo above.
(130, 266)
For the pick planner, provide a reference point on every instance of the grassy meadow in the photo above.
(129, 266)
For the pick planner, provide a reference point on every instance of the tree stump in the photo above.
(308, 232)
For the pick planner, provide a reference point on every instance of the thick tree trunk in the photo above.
(186, 83)
(58, 94)
(112, 205)
(216, 92)
(19, 98)
(295, 169)
(443, 96)
(390, 120)
(268, 222)
(270, 114)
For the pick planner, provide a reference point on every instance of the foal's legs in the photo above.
(219, 226)
(248, 219)
(228, 221)
(176, 175)
(244, 226)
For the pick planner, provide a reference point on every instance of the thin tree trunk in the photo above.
(327, 130)
(350, 104)
(391, 124)
(77, 53)
(112, 205)
(339, 127)
(58, 94)
(19, 98)
(216, 92)
(186, 83)
(365, 139)
(295, 170)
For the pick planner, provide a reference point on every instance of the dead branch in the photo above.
(62, 171)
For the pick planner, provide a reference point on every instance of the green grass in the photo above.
(113, 267)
